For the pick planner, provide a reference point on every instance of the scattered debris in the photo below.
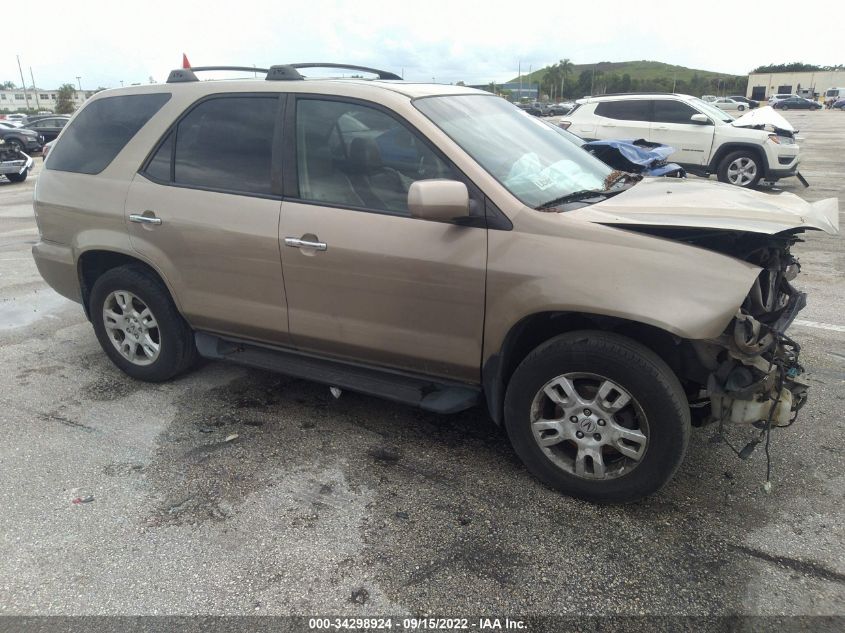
(336, 392)
(231, 437)
(79, 500)
(402, 515)
(360, 596)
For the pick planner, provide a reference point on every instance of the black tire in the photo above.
(178, 352)
(641, 372)
(784, 107)
(15, 144)
(18, 177)
(741, 108)
(724, 165)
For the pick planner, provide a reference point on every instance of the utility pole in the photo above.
(79, 81)
(519, 98)
(23, 83)
(34, 89)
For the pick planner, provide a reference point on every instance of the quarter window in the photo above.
(667, 111)
(101, 130)
(357, 156)
(632, 110)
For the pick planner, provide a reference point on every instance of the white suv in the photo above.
(759, 145)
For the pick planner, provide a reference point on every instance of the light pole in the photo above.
(79, 81)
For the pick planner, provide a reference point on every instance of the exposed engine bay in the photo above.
(753, 374)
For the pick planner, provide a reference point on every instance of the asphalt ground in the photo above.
(362, 507)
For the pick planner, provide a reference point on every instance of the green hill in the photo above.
(641, 75)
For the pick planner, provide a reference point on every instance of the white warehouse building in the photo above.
(18, 99)
(811, 84)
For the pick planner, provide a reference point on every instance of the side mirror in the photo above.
(700, 118)
(438, 200)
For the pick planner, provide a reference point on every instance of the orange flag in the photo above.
(185, 62)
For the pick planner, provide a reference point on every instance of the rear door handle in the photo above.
(145, 219)
(297, 242)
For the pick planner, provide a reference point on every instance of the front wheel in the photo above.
(784, 107)
(741, 108)
(138, 326)
(740, 168)
(597, 416)
(18, 177)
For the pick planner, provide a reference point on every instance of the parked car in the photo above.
(750, 103)
(21, 138)
(724, 103)
(839, 105)
(14, 164)
(46, 149)
(559, 109)
(49, 128)
(10, 125)
(20, 118)
(832, 95)
(594, 315)
(779, 97)
(796, 103)
(758, 145)
(709, 98)
(530, 108)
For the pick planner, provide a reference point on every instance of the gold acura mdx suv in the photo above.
(432, 245)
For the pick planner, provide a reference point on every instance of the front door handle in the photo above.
(148, 218)
(297, 242)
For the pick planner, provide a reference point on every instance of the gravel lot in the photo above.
(362, 507)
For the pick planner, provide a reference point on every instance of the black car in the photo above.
(796, 103)
(21, 138)
(49, 128)
(530, 109)
(749, 102)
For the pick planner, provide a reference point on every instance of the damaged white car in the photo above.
(759, 145)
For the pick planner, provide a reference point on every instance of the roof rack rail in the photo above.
(382, 74)
(630, 94)
(283, 72)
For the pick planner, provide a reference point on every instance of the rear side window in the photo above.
(223, 144)
(667, 111)
(634, 110)
(101, 130)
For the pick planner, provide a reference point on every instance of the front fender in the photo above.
(551, 263)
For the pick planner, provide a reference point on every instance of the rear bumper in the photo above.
(56, 265)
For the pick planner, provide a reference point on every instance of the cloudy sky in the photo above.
(476, 42)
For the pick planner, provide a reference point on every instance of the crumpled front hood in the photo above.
(762, 117)
(702, 204)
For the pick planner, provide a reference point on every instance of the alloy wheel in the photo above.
(131, 327)
(742, 171)
(589, 426)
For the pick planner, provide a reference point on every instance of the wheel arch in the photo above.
(91, 264)
(728, 148)
(535, 329)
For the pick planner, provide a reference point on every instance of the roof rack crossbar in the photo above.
(187, 74)
(382, 74)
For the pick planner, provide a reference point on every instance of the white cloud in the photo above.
(450, 40)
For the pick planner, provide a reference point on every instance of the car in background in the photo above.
(709, 98)
(749, 102)
(10, 124)
(839, 105)
(726, 103)
(779, 97)
(796, 103)
(760, 145)
(46, 149)
(530, 108)
(22, 139)
(559, 109)
(49, 128)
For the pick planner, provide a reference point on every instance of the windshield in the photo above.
(533, 161)
(712, 111)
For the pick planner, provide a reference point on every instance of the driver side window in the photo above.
(356, 156)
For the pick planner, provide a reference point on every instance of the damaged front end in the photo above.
(755, 374)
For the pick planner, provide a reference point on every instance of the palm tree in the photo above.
(565, 67)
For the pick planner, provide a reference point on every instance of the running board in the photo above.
(420, 391)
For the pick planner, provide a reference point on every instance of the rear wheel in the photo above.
(740, 168)
(15, 144)
(138, 326)
(741, 108)
(597, 416)
(784, 107)
(18, 177)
